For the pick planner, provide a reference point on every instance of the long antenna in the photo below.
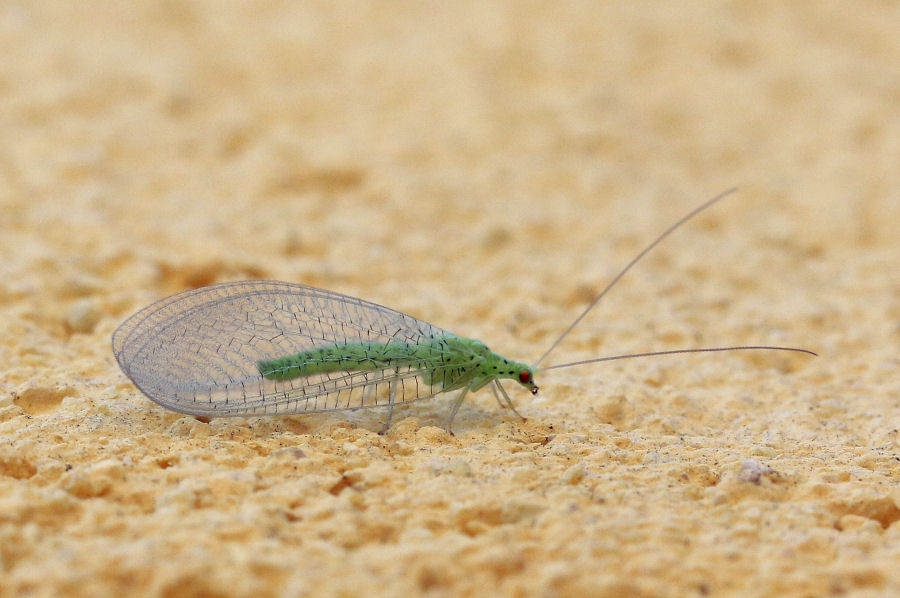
(619, 276)
(674, 351)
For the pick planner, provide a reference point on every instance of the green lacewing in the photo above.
(275, 348)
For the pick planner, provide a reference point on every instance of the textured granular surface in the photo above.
(486, 167)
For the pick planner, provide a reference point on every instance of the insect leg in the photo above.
(392, 386)
(367, 394)
(497, 395)
(509, 402)
(459, 401)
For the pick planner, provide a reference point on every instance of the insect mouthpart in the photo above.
(527, 379)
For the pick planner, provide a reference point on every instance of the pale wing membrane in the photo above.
(197, 352)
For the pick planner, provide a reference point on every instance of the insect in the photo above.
(275, 348)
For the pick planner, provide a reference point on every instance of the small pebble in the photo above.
(83, 315)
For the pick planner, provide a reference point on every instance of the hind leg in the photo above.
(392, 394)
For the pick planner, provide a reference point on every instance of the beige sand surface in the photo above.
(486, 167)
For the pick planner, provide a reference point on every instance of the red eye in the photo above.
(524, 376)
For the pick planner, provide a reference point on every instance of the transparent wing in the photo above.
(196, 352)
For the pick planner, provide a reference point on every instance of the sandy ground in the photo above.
(486, 167)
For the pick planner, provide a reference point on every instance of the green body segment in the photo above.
(450, 362)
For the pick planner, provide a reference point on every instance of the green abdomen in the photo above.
(349, 357)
